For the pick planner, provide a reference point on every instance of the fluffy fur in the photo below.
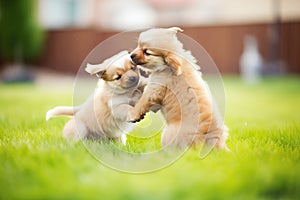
(176, 84)
(104, 114)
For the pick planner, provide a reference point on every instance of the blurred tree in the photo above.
(21, 37)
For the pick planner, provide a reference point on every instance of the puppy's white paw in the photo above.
(133, 118)
(123, 139)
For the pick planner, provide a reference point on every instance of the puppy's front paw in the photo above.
(134, 120)
(134, 116)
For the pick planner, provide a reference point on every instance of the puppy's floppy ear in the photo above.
(175, 29)
(95, 69)
(174, 62)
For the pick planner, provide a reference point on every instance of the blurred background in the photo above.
(44, 42)
(242, 36)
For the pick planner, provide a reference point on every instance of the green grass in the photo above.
(264, 121)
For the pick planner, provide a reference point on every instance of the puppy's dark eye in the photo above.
(118, 77)
(146, 52)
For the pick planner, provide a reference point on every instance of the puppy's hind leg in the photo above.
(69, 129)
(75, 129)
(215, 139)
(173, 136)
(221, 144)
(81, 132)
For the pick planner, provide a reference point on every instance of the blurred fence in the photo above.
(66, 49)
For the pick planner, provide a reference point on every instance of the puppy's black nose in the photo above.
(132, 56)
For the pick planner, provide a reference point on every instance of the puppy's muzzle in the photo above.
(133, 79)
(130, 78)
(135, 58)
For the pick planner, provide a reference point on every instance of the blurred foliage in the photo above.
(21, 37)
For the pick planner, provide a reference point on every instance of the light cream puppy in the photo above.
(104, 114)
(177, 85)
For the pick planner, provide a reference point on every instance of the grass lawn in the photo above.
(264, 121)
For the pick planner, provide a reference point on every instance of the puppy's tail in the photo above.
(61, 110)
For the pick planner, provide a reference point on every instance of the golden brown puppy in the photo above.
(177, 85)
(104, 114)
